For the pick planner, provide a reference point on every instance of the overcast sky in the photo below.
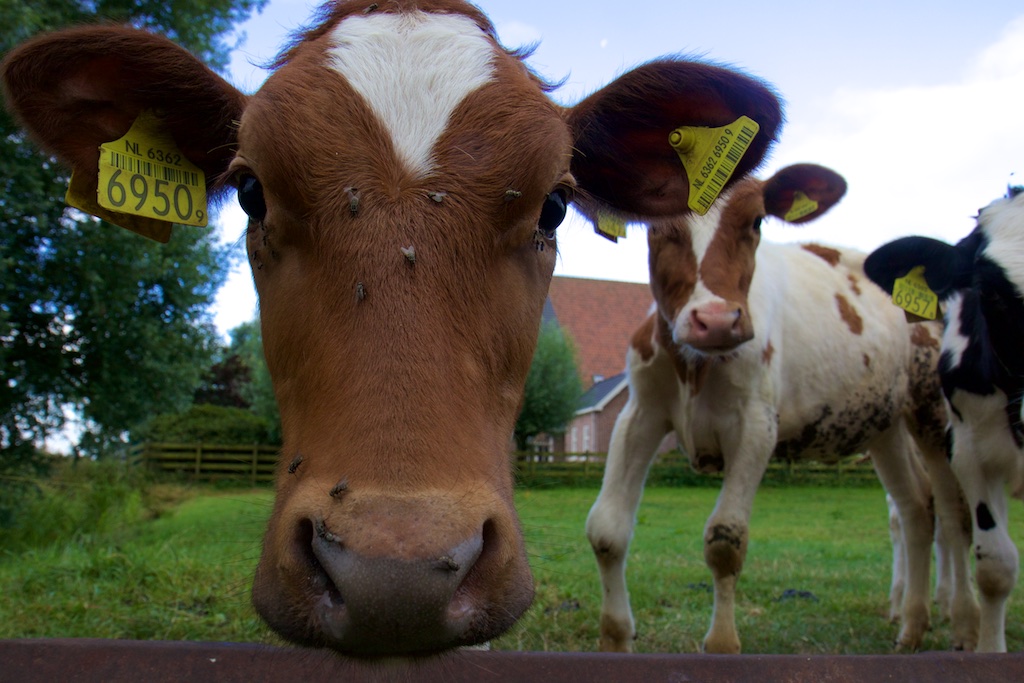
(920, 105)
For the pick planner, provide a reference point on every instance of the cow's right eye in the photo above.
(552, 213)
(250, 197)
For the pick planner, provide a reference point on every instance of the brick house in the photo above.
(600, 316)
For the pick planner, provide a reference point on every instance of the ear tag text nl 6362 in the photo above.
(145, 183)
(710, 156)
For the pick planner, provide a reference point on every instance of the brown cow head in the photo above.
(702, 266)
(404, 176)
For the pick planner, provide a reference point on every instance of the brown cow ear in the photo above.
(75, 89)
(622, 159)
(802, 192)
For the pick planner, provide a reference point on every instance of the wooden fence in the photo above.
(256, 463)
(673, 469)
(208, 462)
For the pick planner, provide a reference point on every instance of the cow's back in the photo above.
(832, 360)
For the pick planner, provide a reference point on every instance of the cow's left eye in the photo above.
(552, 213)
(757, 226)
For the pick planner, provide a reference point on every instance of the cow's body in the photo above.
(404, 175)
(981, 280)
(824, 368)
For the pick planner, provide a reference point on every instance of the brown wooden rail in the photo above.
(113, 661)
(256, 463)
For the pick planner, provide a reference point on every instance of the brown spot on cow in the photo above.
(827, 254)
(849, 315)
(867, 361)
(692, 373)
(766, 355)
(854, 283)
(728, 265)
(921, 336)
(643, 338)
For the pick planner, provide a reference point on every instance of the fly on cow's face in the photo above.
(353, 199)
(338, 488)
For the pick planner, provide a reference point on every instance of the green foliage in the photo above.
(184, 575)
(202, 26)
(18, 476)
(207, 424)
(247, 343)
(552, 388)
(80, 498)
(93, 317)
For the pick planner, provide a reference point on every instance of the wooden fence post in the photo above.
(199, 458)
(255, 461)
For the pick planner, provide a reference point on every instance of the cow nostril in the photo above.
(302, 542)
(698, 324)
(305, 533)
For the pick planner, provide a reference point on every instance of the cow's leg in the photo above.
(944, 572)
(893, 454)
(995, 553)
(899, 562)
(748, 447)
(952, 549)
(638, 432)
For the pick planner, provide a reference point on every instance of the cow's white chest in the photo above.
(412, 70)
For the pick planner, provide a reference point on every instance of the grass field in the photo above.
(816, 578)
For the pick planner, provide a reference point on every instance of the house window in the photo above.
(572, 439)
(586, 438)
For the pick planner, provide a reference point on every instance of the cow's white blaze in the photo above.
(432, 62)
(702, 232)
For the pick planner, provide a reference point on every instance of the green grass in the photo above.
(186, 574)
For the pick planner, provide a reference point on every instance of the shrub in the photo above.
(80, 498)
(206, 424)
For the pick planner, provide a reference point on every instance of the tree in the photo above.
(247, 342)
(553, 387)
(225, 383)
(92, 316)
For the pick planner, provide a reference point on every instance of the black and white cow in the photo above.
(981, 282)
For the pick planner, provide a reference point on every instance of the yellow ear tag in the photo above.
(610, 227)
(80, 197)
(912, 294)
(144, 175)
(710, 156)
(802, 206)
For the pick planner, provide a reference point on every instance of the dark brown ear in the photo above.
(623, 160)
(75, 89)
(822, 186)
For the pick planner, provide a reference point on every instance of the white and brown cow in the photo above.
(404, 175)
(981, 281)
(801, 358)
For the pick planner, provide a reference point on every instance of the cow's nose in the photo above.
(382, 605)
(717, 327)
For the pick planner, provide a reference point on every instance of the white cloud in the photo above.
(921, 159)
(1005, 59)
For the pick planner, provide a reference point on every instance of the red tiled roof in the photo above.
(601, 317)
